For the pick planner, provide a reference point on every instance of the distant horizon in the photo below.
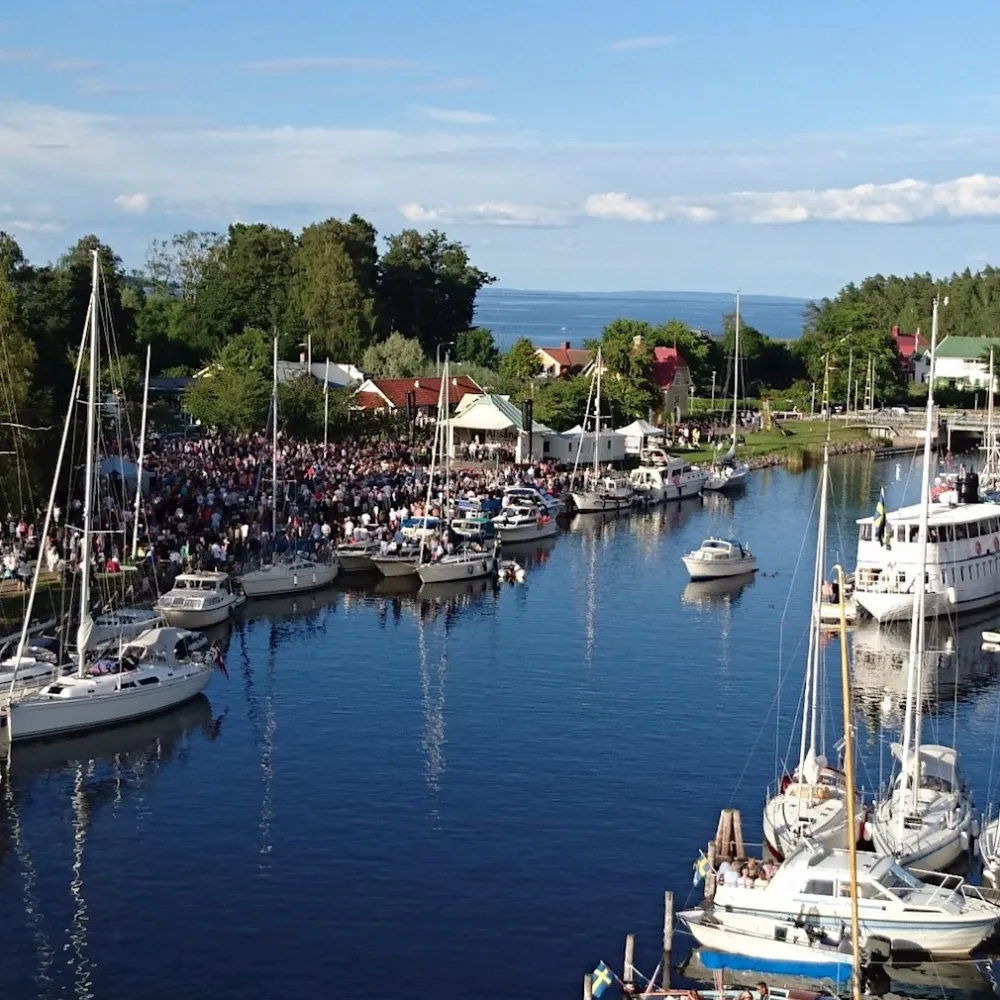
(653, 292)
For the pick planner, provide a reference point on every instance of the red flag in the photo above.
(216, 654)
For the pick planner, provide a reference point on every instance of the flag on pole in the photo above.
(215, 654)
(880, 525)
(602, 979)
(701, 868)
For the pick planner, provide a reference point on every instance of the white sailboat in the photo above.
(298, 572)
(926, 819)
(812, 800)
(728, 473)
(469, 560)
(599, 492)
(156, 671)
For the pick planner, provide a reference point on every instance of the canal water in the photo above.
(472, 793)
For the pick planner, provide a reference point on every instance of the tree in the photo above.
(478, 347)
(235, 393)
(397, 357)
(333, 287)
(428, 288)
(562, 403)
(18, 363)
(521, 362)
(702, 352)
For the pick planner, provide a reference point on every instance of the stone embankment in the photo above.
(800, 458)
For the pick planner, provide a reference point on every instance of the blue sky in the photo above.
(782, 147)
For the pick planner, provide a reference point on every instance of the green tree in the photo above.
(397, 357)
(562, 403)
(236, 392)
(521, 362)
(334, 286)
(702, 352)
(18, 365)
(477, 347)
(428, 288)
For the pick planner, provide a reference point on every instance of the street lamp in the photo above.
(713, 390)
(437, 355)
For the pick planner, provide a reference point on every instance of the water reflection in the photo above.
(716, 593)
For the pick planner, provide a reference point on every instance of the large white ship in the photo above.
(963, 558)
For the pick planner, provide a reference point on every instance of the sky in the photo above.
(784, 148)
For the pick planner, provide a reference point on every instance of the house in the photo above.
(561, 361)
(486, 424)
(912, 349)
(339, 375)
(672, 376)
(391, 393)
(577, 445)
(963, 362)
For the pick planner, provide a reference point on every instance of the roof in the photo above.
(967, 348)
(169, 383)
(939, 514)
(641, 428)
(495, 413)
(568, 357)
(667, 362)
(383, 393)
(909, 344)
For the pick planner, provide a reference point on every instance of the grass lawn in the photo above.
(799, 436)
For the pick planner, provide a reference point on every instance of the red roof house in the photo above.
(909, 344)
(671, 375)
(390, 393)
(563, 360)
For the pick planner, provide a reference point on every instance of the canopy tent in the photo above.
(128, 472)
(636, 433)
(493, 421)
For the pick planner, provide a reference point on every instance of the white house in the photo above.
(488, 424)
(577, 445)
(963, 362)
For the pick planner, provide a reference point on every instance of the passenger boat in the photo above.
(809, 895)
(198, 600)
(295, 574)
(523, 523)
(719, 557)
(675, 479)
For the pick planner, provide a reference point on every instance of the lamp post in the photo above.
(437, 354)
(713, 390)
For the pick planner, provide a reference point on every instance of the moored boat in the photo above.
(296, 574)
(523, 523)
(199, 599)
(719, 557)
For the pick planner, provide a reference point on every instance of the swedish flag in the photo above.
(601, 980)
(701, 868)
(880, 525)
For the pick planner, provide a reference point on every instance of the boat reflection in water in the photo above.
(965, 980)
(290, 606)
(724, 591)
(954, 665)
(530, 554)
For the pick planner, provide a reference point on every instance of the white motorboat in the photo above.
(125, 623)
(603, 493)
(988, 847)
(297, 574)
(154, 672)
(356, 555)
(674, 479)
(812, 888)
(719, 557)
(532, 494)
(524, 523)
(464, 564)
(198, 600)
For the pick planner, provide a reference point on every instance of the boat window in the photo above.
(914, 532)
(961, 570)
(961, 531)
(895, 877)
(973, 529)
(128, 684)
(932, 535)
(148, 680)
(949, 532)
(819, 887)
(901, 533)
(866, 533)
(865, 891)
(994, 525)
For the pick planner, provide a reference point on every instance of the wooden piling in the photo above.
(588, 986)
(628, 973)
(668, 938)
(710, 877)
(729, 836)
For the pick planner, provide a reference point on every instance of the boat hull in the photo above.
(700, 569)
(395, 567)
(722, 483)
(939, 851)
(273, 581)
(463, 569)
(886, 607)
(37, 718)
(197, 618)
(597, 503)
(511, 535)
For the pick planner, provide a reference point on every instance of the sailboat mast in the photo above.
(852, 820)
(326, 408)
(274, 444)
(911, 719)
(142, 457)
(991, 446)
(818, 594)
(736, 368)
(430, 474)
(597, 417)
(88, 489)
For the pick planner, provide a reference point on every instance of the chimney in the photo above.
(895, 332)
(302, 357)
(565, 345)
(416, 383)
(454, 382)
(637, 340)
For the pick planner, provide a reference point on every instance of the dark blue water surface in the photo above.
(471, 793)
(549, 318)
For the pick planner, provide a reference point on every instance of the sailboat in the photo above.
(600, 492)
(157, 670)
(812, 801)
(728, 474)
(298, 572)
(926, 819)
(469, 560)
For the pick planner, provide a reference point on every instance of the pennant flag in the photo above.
(215, 653)
(602, 979)
(701, 868)
(880, 525)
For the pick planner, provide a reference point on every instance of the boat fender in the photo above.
(975, 829)
(979, 548)
(963, 839)
(868, 832)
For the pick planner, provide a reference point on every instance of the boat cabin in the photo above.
(198, 590)
(721, 549)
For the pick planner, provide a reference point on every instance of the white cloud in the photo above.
(497, 213)
(908, 200)
(136, 204)
(31, 226)
(297, 63)
(45, 59)
(642, 42)
(454, 116)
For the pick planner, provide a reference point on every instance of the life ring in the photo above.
(979, 549)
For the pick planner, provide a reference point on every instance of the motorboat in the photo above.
(524, 523)
(532, 494)
(465, 563)
(198, 600)
(122, 624)
(719, 557)
(38, 664)
(673, 479)
(811, 889)
(295, 574)
(414, 528)
(152, 673)
(474, 527)
(603, 493)
(356, 555)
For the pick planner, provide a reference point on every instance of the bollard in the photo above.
(628, 975)
(588, 987)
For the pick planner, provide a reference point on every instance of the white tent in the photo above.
(115, 465)
(636, 433)
(493, 421)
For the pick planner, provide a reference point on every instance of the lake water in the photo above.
(475, 793)
(549, 318)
